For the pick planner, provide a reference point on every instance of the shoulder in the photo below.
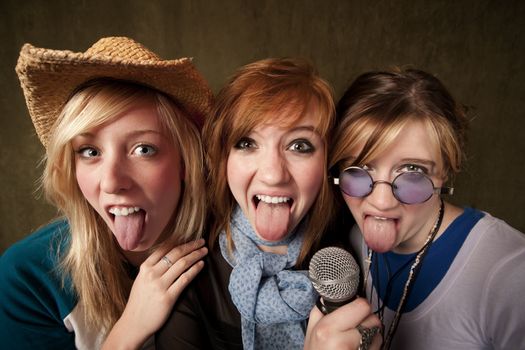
(496, 252)
(40, 243)
(36, 256)
(204, 313)
(41, 247)
(35, 296)
(29, 269)
(212, 286)
(208, 292)
(503, 251)
(498, 235)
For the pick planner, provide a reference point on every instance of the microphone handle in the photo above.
(327, 306)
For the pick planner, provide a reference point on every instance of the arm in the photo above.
(337, 330)
(155, 290)
(33, 302)
(502, 311)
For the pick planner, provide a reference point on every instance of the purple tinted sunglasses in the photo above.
(410, 187)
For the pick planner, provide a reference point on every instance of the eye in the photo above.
(301, 146)
(413, 168)
(245, 143)
(88, 152)
(144, 151)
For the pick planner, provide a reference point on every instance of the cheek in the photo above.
(310, 177)
(87, 183)
(419, 214)
(164, 192)
(353, 204)
(230, 171)
(312, 185)
(236, 176)
(165, 182)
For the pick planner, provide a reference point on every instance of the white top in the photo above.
(479, 302)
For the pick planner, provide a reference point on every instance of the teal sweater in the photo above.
(34, 299)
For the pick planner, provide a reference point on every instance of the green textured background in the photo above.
(476, 47)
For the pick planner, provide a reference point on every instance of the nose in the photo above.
(114, 175)
(382, 197)
(273, 168)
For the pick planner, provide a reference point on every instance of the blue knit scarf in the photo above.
(274, 301)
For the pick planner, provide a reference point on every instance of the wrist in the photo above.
(123, 337)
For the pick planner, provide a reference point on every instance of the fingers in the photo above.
(376, 342)
(173, 253)
(184, 279)
(181, 264)
(370, 333)
(164, 266)
(349, 315)
(338, 330)
(315, 316)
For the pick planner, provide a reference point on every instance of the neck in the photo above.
(451, 213)
(413, 273)
(136, 258)
(277, 249)
(415, 242)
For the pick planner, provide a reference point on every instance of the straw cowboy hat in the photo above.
(49, 77)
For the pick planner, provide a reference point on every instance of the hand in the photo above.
(337, 330)
(162, 278)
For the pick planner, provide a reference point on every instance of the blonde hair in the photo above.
(377, 106)
(93, 260)
(248, 100)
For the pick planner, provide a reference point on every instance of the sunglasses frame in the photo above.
(437, 190)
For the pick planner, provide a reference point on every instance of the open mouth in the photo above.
(382, 218)
(124, 211)
(128, 225)
(273, 216)
(272, 200)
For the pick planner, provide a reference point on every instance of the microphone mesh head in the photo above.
(334, 274)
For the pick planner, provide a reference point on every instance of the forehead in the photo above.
(136, 120)
(293, 114)
(285, 116)
(140, 112)
(412, 139)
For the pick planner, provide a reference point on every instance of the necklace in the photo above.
(412, 275)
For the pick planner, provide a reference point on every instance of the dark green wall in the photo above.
(476, 47)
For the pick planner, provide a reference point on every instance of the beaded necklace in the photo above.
(412, 275)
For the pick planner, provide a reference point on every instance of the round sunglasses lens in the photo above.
(412, 187)
(355, 182)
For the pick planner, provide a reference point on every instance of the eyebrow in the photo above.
(134, 133)
(309, 128)
(428, 163)
(303, 127)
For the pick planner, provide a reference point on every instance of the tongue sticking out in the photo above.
(128, 230)
(379, 234)
(272, 220)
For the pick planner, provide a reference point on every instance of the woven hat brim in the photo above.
(49, 77)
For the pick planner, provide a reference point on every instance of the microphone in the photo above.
(334, 274)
